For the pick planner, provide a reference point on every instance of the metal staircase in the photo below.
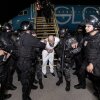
(44, 29)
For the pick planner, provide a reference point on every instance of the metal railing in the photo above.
(35, 14)
(55, 22)
(56, 27)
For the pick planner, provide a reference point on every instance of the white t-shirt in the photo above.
(55, 43)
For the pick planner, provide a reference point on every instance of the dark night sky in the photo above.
(10, 8)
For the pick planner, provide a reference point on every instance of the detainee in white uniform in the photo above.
(48, 54)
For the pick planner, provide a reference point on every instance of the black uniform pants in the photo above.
(82, 76)
(3, 80)
(63, 71)
(78, 61)
(12, 67)
(26, 76)
(96, 83)
(37, 69)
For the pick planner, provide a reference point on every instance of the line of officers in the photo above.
(21, 52)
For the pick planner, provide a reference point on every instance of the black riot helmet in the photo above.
(26, 25)
(7, 26)
(63, 32)
(93, 20)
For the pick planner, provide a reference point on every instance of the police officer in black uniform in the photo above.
(6, 49)
(65, 50)
(3, 75)
(92, 54)
(80, 33)
(37, 65)
(26, 43)
(7, 35)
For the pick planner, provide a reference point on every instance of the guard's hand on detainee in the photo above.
(90, 68)
(74, 45)
(44, 41)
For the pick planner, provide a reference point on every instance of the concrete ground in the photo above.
(53, 92)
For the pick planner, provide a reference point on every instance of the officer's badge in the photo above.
(85, 43)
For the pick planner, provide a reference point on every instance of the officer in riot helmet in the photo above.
(92, 54)
(37, 64)
(26, 25)
(7, 27)
(62, 32)
(27, 42)
(79, 34)
(65, 50)
(37, 67)
(8, 46)
(93, 20)
(3, 74)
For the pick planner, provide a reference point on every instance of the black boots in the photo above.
(82, 81)
(67, 86)
(53, 74)
(45, 76)
(34, 87)
(35, 81)
(97, 93)
(26, 98)
(41, 84)
(5, 96)
(10, 87)
(60, 81)
(80, 86)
